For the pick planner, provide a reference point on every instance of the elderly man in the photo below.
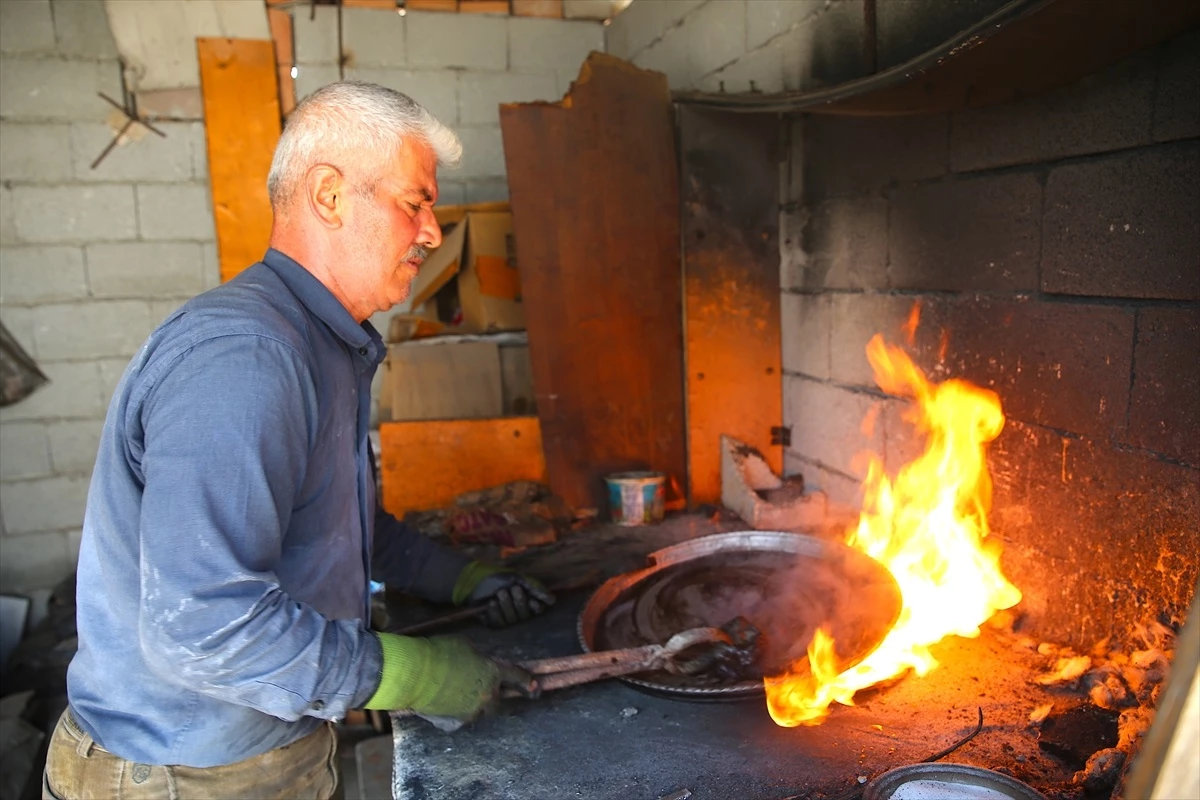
(232, 524)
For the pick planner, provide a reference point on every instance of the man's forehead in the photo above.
(417, 171)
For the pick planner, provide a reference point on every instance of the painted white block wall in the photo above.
(741, 45)
(459, 66)
(90, 261)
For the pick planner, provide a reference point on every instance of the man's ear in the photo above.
(324, 189)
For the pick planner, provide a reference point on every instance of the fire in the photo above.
(929, 527)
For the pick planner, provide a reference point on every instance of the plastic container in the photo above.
(636, 498)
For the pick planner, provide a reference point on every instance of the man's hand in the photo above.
(443, 677)
(510, 596)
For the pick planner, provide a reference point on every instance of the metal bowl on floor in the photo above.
(786, 584)
(947, 782)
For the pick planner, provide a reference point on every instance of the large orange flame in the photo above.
(929, 527)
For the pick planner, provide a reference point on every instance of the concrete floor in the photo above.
(369, 778)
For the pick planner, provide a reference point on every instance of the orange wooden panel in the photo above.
(483, 6)
(427, 464)
(594, 188)
(537, 8)
(242, 125)
(447, 215)
(431, 5)
(281, 35)
(384, 5)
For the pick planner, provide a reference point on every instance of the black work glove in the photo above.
(510, 596)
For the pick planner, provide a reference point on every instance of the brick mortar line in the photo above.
(47, 532)
(1066, 434)
(1097, 156)
(1133, 346)
(48, 421)
(1048, 298)
(76, 183)
(857, 389)
(821, 465)
(40, 56)
(70, 474)
(93, 300)
(884, 189)
(765, 44)
(124, 359)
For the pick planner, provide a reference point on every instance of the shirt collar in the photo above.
(324, 306)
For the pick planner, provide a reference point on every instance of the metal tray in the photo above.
(786, 584)
(966, 781)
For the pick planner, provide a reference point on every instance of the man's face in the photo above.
(392, 231)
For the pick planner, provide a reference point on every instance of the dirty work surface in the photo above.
(608, 741)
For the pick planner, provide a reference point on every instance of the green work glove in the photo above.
(442, 676)
(510, 596)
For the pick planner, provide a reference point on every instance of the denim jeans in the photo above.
(79, 769)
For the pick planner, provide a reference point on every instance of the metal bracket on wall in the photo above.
(781, 435)
(131, 117)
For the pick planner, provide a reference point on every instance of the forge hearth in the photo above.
(612, 740)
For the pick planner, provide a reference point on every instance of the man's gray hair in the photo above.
(356, 127)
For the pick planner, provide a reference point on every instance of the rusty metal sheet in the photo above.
(595, 201)
(729, 167)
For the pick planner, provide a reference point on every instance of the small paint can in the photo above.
(636, 498)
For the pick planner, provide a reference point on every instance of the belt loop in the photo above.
(85, 746)
(86, 742)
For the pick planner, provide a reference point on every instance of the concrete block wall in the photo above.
(773, 46)
(90, 261)
(459, 66)
(1053, 250)
(743, 45)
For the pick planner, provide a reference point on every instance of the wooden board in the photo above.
(444, 381)
(449, 215)
(281, 35)
(242, 125)
(593, 186)
(426, 465)
(730, 180)
(483, 7)
(551, 9)
(431, 5)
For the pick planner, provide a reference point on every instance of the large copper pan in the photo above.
(786, 584)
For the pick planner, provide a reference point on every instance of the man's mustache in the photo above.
(416, 253)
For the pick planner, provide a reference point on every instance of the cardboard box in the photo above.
(472, 279)
(457, 378)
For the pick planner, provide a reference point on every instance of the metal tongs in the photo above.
(732, 647)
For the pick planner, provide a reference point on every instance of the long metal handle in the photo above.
(602, 659)
(561, 679)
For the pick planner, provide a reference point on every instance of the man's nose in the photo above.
(430, 235)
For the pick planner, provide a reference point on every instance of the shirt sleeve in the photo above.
(408, 560)
(227, 432)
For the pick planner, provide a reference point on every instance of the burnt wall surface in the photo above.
(1054, 249)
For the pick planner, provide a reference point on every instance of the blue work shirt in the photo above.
(223, 598)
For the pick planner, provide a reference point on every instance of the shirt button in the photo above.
(362, 351)
(317, 705)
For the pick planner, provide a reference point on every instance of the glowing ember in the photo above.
(929, 527)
